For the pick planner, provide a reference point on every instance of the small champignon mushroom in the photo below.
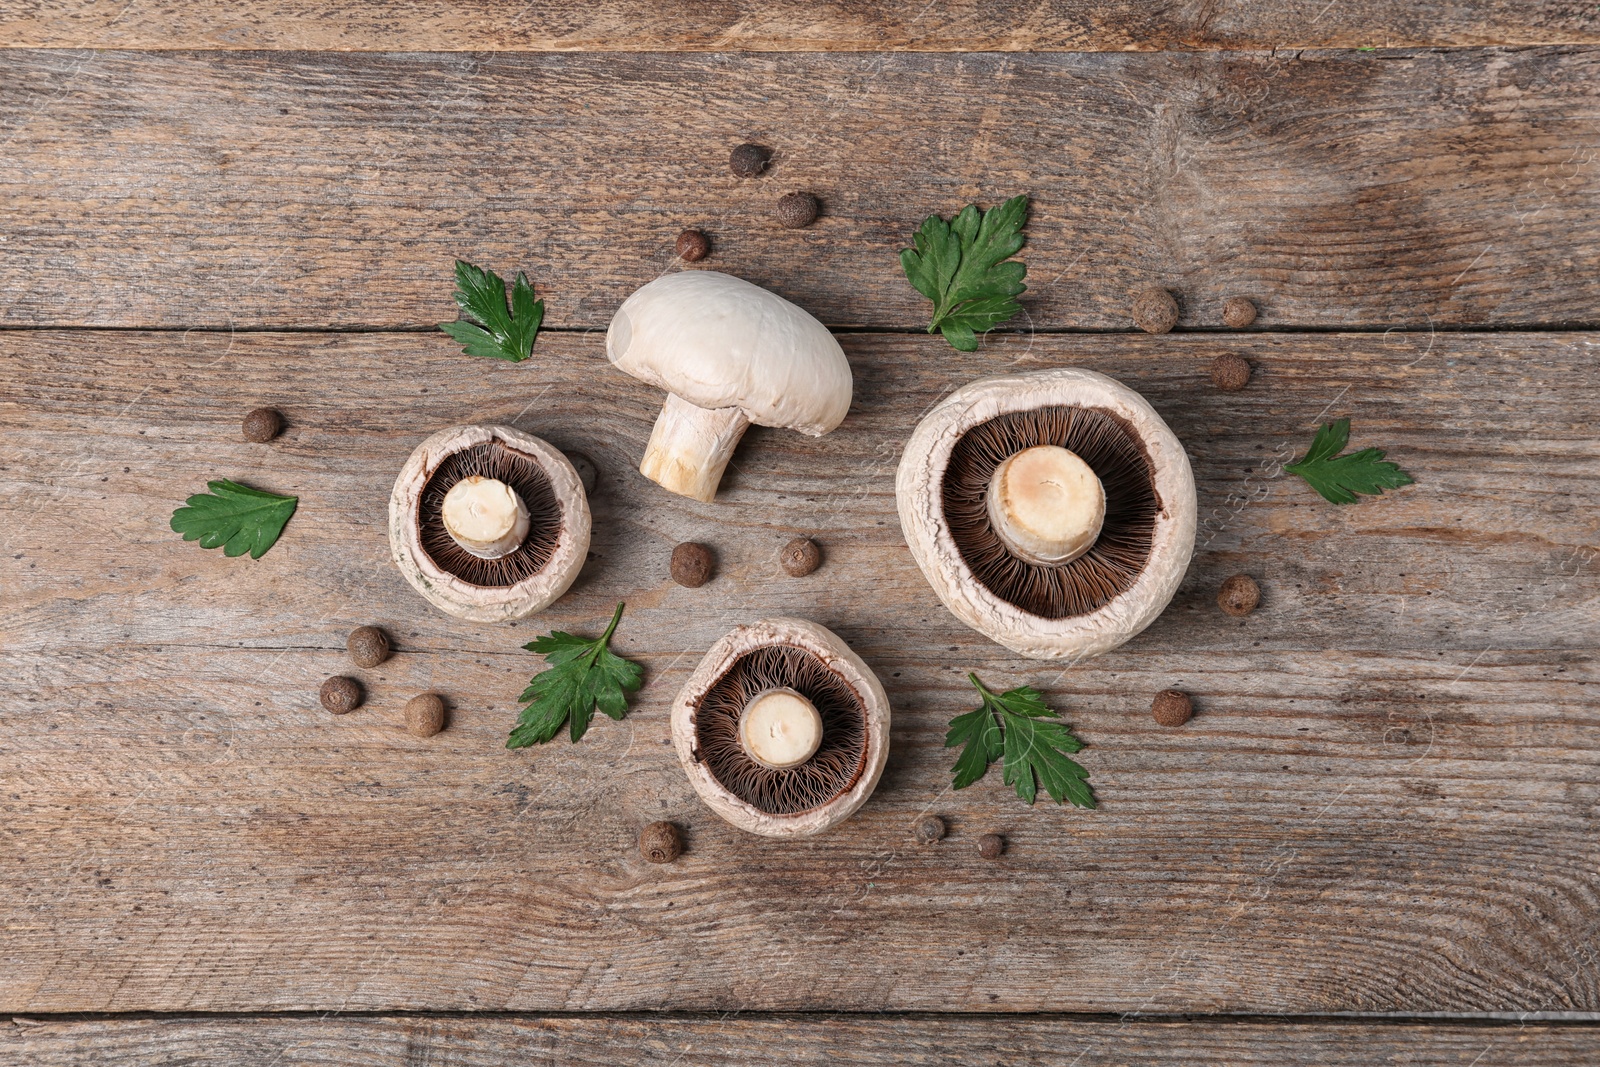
(728, 353)
(488, 523)
(782, 730)
(1012, 562)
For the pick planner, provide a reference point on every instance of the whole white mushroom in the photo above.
(728, 354)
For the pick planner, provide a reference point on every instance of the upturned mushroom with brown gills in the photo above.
(488, 523)
(729, 354)
(782, 730)
(1052, 511)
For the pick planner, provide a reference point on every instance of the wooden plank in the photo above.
(790, 25)
(1338, 189)
(881, 1041)
(1386, 802)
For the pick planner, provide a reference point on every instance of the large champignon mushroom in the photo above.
(728, 353)
(488, 523)
(1052, 511)
(782, 729)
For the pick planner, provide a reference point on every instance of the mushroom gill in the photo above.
(839, 759)
(527, 477)
(1111, 447)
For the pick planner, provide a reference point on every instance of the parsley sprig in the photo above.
(964, 266)
(1339, 478)
(234, 518)
(1016, 725)
(487, 328)
(579, 676)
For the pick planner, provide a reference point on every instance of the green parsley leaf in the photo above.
(579, 676)
(1339, 478)
(234, 518)
(1018, 726)
(964, 266)
(487, 328)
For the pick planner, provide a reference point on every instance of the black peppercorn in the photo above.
(1239, 595)
(693, 246)
(1230, 373)
(692, 565)
(929, 829)
(1238, 312)
(800, 557)
(425, 714)
(1155, 311)
(368, 646)
(341, 695)
(797, 210)
(660, 842)
(262, 425)
(1172, 707)
(749, 160)
(990, 846)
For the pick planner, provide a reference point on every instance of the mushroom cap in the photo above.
(450, 593)
(919, 494)
(836, 656)
(720, 342)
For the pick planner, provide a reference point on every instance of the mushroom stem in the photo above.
(690, 447)
(780, 729)
(485, 516)
(1046, 504)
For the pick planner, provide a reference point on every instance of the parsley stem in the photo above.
(616, 616)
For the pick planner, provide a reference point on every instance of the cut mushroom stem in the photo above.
(780, 729)
(1046, 504)
(485, 516)
(690, 447)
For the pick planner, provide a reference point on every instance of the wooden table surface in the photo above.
(1377, 840)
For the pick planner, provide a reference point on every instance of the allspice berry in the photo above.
(1238, 312)
(1230, 373)
(425, 714)
(990, 846)
(749, 160)
(262, 425)
(929, 828)
(692, 565)
(1239, 595)
(800, 557)
(693, 246)
(368, 646)
(1172, 707)
(1155, 311)
(797, 210)
(341, 695)
(660, 842)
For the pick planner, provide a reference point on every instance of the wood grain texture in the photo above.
(737, 1041)
(1386, 802)
(790, 25)
(1337, 189)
